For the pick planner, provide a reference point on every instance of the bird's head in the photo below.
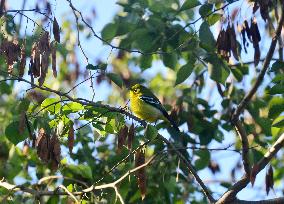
(137, 90)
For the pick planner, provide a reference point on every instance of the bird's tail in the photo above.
(173, 123)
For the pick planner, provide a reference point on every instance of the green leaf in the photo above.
(183, 73)
(217, 68)
(73, 107)
(214, 18)
(276, 107)
(188, 4)
(5, 88)
(278, 78)
(277, 65)
(205, 9)
(109, 31)
(115, 78)
(52, 105)
(143, 39)
(151, 132)
(82, 170)
(203, 160)
(101, 66)
(277, 89)
(207, 40)
(13, 134)
(24, 105)
(278, 122)
(146, 61)
(170, 60)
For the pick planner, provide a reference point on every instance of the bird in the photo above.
(146, 106)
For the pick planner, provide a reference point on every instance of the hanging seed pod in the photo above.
(71, 138)
(22, 61)
(234, 43)
(42, 145)
(255, 7)
(122, 134)
(243, 32)
(141, 173)
(269, 182)
(247, 28)
(56, 30)
(255, 39)
(130, 137)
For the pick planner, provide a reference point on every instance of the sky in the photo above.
(105, 10)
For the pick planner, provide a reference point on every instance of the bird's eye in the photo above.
(135, 90)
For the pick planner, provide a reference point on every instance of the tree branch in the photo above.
(265, 65)
(245, 146)
(230, 195)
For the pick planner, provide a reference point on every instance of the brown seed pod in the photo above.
(247, 29)
(122, 134)
(141, 173)
(71, 138)
(23, 61)
(55, 152)
(130, 137)
(269, 182)
(53, 59)
(234, 44)
(42, 145)
(11, 51)
(56, 30)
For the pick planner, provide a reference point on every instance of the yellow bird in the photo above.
(146, 106)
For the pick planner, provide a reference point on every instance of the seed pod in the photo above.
(130, 137)
(243, 32)
(53, 59)
(56, 30)
(42, 145)
(71, 138)
(23, 61)
(122, 134)
(234, 44)
(246, 26)
(141, 174)
(269, 182)
(55, 152)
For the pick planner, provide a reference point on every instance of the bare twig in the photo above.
(69, 193)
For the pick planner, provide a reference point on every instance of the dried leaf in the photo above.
(269, 182)
(122, 134)
(56, 30)
(22, 122)
(71, 138)
(254, 172)
(141, 174)
(42, 145)
(130, 137)
(23, 61)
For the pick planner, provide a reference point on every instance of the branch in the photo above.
(245, 146)
(230, 195)
(191, 169)
(36, 193)
(265, 65)
(279, 200)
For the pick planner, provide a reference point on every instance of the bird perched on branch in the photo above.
(146, 106)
